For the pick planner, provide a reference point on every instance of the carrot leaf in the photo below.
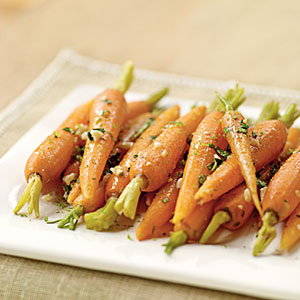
(290, 115)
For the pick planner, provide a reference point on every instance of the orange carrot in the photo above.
(152, 168)
(280, 199)
(236, 129)
(290, 235)
(266, 144)
(207, 138)
(52, 156)
(104, 218)
(117, 183)
(162, 207)
(106, 117)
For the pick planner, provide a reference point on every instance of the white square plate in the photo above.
(231, 268)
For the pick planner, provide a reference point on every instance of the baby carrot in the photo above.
(266, 143)
(162, 207)
(280, 199)
(51, 157)
(235, 207)
(152, 168)
(105, 217)
(235, 128)
(191, 228)
(139, 107)
(293, 141)
(207, 141)
(291, 231)
(106, 117)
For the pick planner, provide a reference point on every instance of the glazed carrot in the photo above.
(280, 199)
(152, 168)
(235, 207)
(51, 157)
(205, 152)
(117, 183)
(208, 137)
(235, 128)
(104, 218)
(106, 117)
(162, 207)
(290, 235)
(266, 143)
(139, 107)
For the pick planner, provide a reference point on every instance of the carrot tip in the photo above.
(267, 233)
(103, 218)
(128, 200)
(177, 239)
(71, 219)
(31, 196)
(218, 219)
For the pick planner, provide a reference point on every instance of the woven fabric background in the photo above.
(28, 279)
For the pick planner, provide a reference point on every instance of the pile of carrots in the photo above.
(192, 175)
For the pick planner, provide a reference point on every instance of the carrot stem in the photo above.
(177, 239)
(225, 102)
(290, 115)
(31, 195)
(220, 218)
(269, 112)
(103, 218)
(71, 219)
(267, 232)
(155, 97)
(128, 200)
(126, 77)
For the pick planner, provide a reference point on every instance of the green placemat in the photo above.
(29, 279)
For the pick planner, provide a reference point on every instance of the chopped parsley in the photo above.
(179, 174)
(129, 237)
(106, 101)
(254, 135)
(153, 137)
(135, 156)
(165, 200)
(68, 129)
(261, 184)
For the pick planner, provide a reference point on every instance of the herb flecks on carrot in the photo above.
(103, 218)
(31, 196)
(267, 233)
(71, 219)
(177, 239)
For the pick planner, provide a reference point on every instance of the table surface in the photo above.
(252, 41)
